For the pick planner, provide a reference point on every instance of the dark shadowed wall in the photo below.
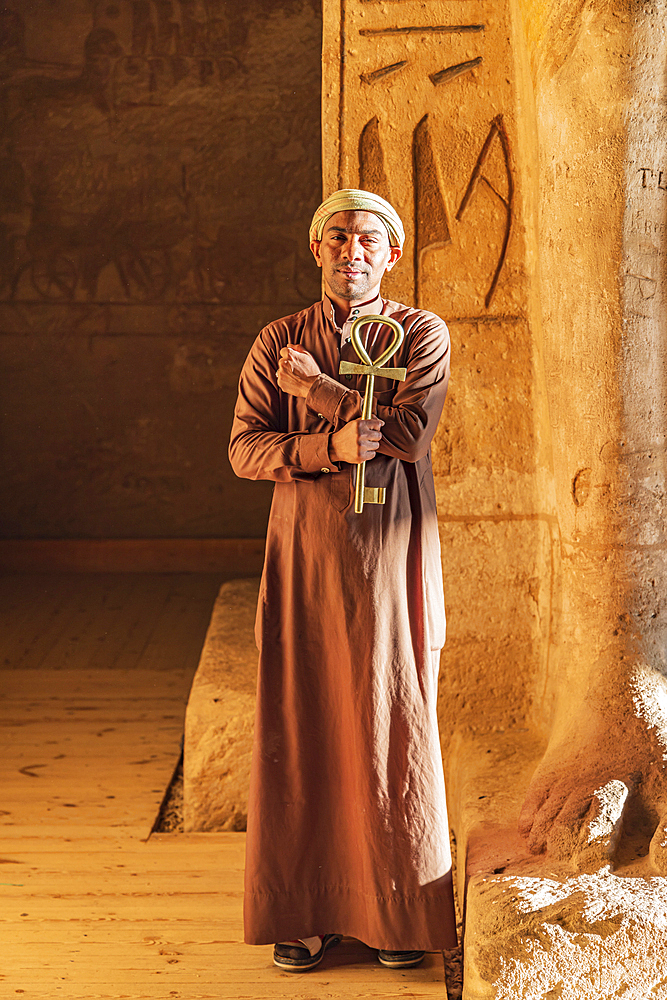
(159, 164)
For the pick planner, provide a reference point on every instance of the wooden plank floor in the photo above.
(92, 698)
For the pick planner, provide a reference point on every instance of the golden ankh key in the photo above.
(362, 493)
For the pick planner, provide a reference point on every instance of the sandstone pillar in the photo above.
(523, 143)
(431, 105)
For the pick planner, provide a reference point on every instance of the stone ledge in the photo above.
(231, 556)
(220, 716)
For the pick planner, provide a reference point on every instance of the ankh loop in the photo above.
(362, 493)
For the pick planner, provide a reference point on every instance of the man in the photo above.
(347, 824)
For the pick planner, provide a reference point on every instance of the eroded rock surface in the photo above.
(596, 934)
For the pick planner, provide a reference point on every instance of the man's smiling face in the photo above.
(354, 254)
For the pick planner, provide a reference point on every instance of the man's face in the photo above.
(354, 254)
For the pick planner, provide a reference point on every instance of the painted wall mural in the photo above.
(420, 105)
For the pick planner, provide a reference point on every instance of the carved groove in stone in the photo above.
(497, 131)
(372, 174)
(437, 29)
(445, 75)
(341, 87)
(431, 223)
(378, 74)
(581, 487)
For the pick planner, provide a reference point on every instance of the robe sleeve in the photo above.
(259, 447)
(412, 416)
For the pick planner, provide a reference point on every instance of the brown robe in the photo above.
(347, 825)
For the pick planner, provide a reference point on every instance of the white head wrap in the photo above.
(353, 200)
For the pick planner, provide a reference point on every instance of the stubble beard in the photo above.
(350, 291)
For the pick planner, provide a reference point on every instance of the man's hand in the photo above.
(356, 442)
(297, 370)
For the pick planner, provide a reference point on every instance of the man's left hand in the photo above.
(297, 370)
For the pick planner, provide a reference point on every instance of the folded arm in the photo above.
(411, 419)
(259, 448)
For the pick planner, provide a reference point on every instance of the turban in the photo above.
(351, 200)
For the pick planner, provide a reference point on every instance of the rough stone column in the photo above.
(523, 143)
(431, 106)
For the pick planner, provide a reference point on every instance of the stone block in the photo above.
(220, 715)
(539, 928)
(536, 932)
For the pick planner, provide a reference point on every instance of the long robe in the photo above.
(347, 825)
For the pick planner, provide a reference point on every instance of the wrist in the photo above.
(308, 383)
(333, 454)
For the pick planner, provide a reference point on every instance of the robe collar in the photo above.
(372, 307)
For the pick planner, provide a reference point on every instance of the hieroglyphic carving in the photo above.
(407, 58)
(643, 291)
(124, 204)
(431, 224)
(451, 72)
(428, 29)
(63, 258)
(646, 285)
(159, 163)
(372, 174)
(497, 131)
(378, 74)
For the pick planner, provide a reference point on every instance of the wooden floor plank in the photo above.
(216, 986)
(27, 603)
(118, 713)
(49, 636)
(54, 834)
(94, 639)
(143, 617)
(170, 630)
(97, 759)
(96, 839)
(176, 865)
(350, 966)
(91, 905)
(19, 742)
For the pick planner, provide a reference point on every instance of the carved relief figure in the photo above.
(118, 203)
(437, 222)
(431, 222)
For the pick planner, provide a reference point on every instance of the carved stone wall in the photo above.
(422, 104)
(158, 166)
(523, 143)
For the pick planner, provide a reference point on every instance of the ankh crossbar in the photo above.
(362, 493)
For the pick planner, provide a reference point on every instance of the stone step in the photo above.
(220, 715)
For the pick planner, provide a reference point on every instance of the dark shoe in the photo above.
(294, 956)
(400, 959)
